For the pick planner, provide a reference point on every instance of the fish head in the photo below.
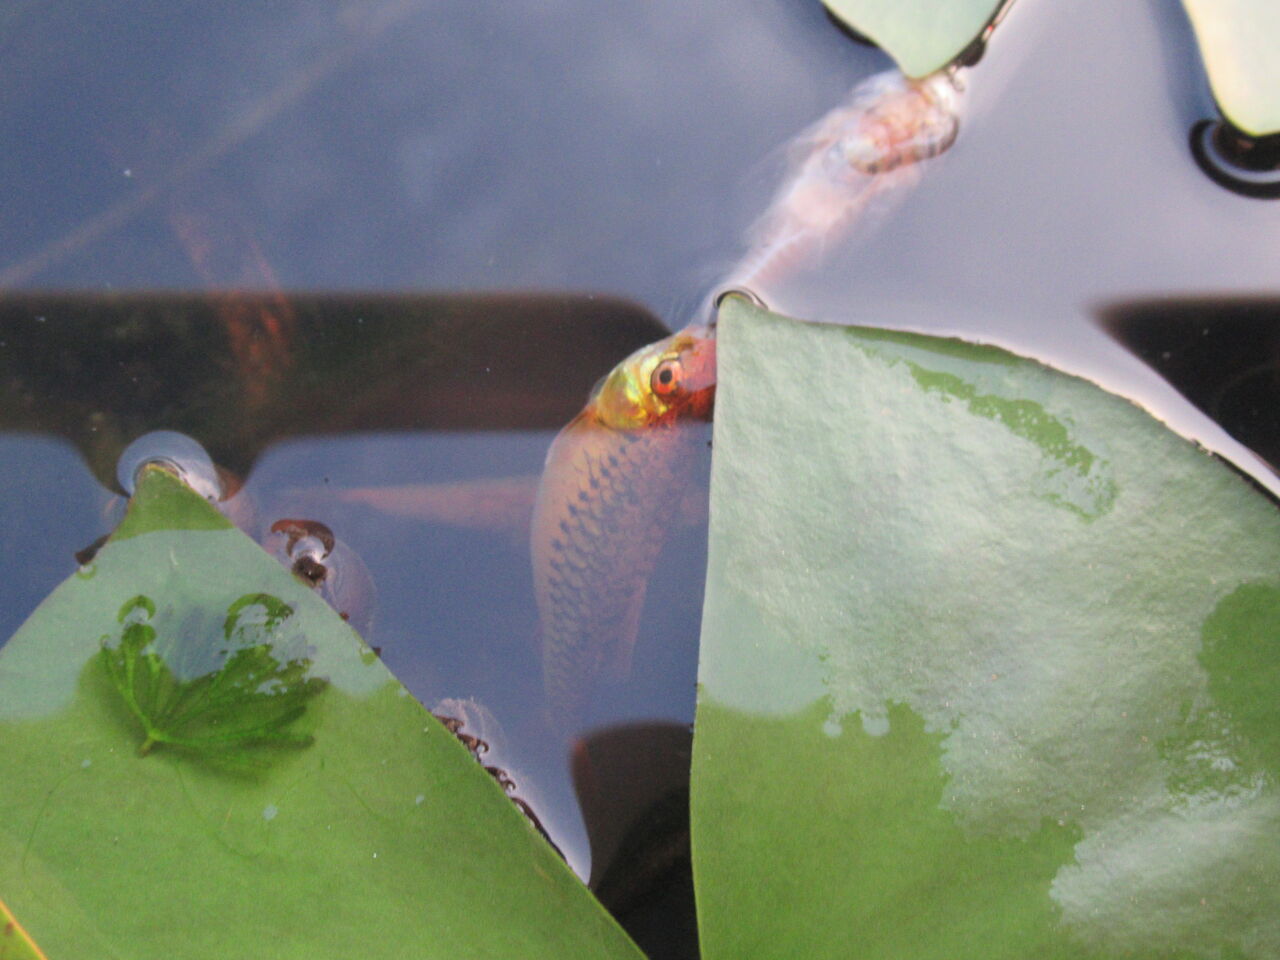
(666, 382)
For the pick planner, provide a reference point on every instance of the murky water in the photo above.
(567, 147)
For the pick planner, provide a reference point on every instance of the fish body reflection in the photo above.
(613, 483)
(890, 121)
(867, 147)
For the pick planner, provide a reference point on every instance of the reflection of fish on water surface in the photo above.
(614, 482)
(859, 154)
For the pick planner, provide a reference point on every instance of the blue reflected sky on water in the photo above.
(454, 613)
(42, 478)
(1070, 190)
(443, 146)
(602, 146)
(560, 145)
(571, 145)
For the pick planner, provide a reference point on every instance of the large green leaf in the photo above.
(1240, 44)
(198, 758)
(989, 664)
(921, 35)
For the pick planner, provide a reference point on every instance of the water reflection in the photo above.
(456, 614)
(606, 146)
(42, 478)
(632, 782)
(419, 536)
(366, 147)
(1221, 353)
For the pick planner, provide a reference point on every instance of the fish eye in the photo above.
(665, 379)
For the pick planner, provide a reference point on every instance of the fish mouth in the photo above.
(699, 358)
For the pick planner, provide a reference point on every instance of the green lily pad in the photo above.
(199, 757)
(921, 35)
(988, 664)
(1240, 43)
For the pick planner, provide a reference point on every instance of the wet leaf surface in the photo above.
(373, 830)
(987, 664)
(921, 35)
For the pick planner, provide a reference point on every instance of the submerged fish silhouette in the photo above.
(614, 481)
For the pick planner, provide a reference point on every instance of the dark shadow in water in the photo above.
(1222, 354)
(240, 371)
(632, 782)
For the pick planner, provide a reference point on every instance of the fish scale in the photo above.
(609, 533)
(607, 498)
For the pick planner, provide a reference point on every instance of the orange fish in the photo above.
(614, 480)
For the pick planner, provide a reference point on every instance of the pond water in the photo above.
(573, 148)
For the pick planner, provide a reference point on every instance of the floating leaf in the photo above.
(921, 35)
(382, 837)
(1240, 44)
(987, 665)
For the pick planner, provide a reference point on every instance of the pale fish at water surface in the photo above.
(866, 148)
(613, 483)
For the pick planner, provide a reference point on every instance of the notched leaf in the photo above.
(214, 692)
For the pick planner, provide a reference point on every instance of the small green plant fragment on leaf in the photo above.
(210, 694)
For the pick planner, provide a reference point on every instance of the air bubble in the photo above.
(174, 451)
(327, 565)
(742, 293)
